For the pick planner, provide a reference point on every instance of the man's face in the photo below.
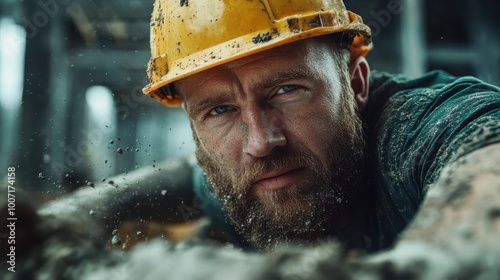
(278, 135)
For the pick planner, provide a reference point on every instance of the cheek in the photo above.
(314, 128)
(225, 148)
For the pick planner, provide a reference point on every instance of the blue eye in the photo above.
(286, 88)
(219, 110)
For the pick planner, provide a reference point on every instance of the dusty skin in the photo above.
(464, 246)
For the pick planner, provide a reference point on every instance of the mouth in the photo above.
(278, 179)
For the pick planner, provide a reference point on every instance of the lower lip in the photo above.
(280, 181)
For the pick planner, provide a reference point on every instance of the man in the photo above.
(299, 143)
(297, 140)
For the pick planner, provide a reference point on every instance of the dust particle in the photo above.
(116, 241)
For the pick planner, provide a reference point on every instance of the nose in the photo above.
(262, 132)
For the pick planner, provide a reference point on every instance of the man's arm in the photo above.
(162, 193)
(461, 212)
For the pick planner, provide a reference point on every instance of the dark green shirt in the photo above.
(414, 128)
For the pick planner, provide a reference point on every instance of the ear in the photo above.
(360, 82)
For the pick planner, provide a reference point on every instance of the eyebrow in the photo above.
(285, 76)
(197, 107)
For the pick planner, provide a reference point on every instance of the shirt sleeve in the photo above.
(417, 127)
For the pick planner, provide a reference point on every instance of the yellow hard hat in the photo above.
(188, 37)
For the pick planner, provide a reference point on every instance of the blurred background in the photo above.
(71, 74)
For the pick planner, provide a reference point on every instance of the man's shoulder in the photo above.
(434, 106)
(385, 86)
(393, 95)
(383, 83)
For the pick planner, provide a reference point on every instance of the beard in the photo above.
(318, 206)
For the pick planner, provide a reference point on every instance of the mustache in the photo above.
(278, 159)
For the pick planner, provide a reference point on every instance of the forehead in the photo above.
(305, 53)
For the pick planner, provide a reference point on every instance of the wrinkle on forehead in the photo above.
(300, 59)
(309, 46)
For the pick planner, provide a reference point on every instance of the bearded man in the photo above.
(298, 142)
